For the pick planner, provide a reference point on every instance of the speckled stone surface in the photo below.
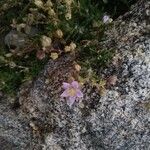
(15, 132)
(118, 120)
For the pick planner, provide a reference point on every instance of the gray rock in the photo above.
(119, 120)
(15, 39)
(18, 40)
(15, 132)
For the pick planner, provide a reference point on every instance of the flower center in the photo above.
(71, 92)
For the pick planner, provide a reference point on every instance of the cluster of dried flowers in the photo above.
(52, 17)
(50, 43)
(41, 13)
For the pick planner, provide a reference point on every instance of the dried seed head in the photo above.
(72, 46)
(46, 41)
(58, 33)
(67, 48)
(68, 16)
(54, 56)
(49, 3)
(38, 3)
(68, 2)
(40, 54)
(51, 12)
(77, 67)
(12, 64)
(112, 80)
(8, 55)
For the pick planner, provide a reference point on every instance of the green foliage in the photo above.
(9, 80)
(85, 25)
(79, 27)
(93, 57)
(24, 70)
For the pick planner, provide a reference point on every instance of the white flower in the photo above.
(107, 19)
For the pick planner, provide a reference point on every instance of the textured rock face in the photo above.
(119, 120)
(15, 133)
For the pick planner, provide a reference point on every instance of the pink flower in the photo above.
(72, 92)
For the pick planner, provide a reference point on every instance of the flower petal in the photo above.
(105, 18)
(71, 100)
(64, 94)
(79, 94)
(75, 84)
(66, 85)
